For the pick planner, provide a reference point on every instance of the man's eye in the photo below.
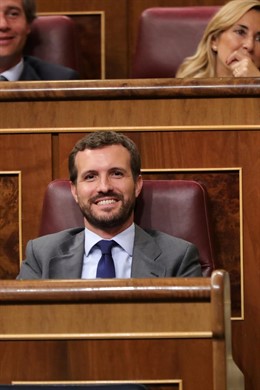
(118, 173)
(13, 14)
(89, 177)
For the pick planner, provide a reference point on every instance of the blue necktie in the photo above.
(106, 267)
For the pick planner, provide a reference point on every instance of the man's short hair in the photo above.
(29, 8)
(100, 139)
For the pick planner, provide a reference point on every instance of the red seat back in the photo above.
(166, 36)
(53, 39)
(176, 207)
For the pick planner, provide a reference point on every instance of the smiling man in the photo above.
(16, 17)
(105, 175)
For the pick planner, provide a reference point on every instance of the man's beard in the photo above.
(111, 220)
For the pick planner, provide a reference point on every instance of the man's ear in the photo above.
(138, 185)
(73, 189)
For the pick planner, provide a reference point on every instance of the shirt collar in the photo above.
(14, 73)
(125, 239)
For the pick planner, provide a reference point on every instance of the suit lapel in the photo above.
(68, 265)
(28, 73)
(146, 252)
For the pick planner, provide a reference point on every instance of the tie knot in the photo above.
(106, 246)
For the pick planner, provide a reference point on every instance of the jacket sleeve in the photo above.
(190, 264)
(30, 268)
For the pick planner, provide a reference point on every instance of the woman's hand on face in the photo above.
(241, 65)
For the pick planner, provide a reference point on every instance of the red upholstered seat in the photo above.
(166, 36)
(177, 207)
(53, 39)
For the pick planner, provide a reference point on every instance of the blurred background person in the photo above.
(230, 45)
(16, 17)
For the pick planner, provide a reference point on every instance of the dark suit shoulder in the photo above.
(37, 69)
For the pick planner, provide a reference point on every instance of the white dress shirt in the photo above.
(122, 253)
(14, 73)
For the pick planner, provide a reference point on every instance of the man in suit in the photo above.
(105, 175)
(16, 17)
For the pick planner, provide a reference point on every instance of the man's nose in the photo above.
(3, 22)
(104, 184)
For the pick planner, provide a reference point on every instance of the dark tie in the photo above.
(3, 78)
(106, 267)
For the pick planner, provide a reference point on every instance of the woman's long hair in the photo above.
(202, 63)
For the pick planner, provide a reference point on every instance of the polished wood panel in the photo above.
(10, 204)
(31, 156)
(79, 324)
(181, 125)
(90, 44)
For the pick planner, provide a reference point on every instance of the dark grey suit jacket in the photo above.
(36, 69)
(156, 254)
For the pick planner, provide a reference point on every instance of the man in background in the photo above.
(16, 17)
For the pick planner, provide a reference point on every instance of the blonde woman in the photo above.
(230, 46)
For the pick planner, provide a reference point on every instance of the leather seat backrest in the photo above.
(176, 207)
(166, 36)
(54, 39)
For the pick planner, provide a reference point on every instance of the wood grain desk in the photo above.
(169, 333)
